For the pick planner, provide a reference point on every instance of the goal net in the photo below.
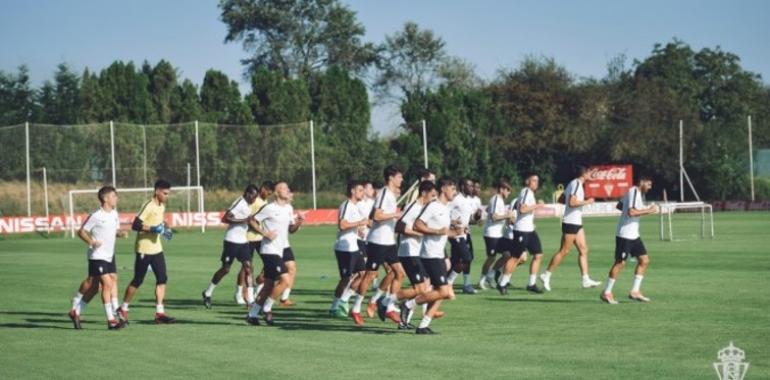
(185, 206)
(686, 221)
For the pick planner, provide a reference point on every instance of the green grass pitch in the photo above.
(705, 294)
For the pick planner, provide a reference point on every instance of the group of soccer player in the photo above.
(408, 241)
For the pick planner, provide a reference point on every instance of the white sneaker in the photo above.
(547, 281)
(239, 299)
(608, 298)
(483, 283)
(589, 283)
(637, 296)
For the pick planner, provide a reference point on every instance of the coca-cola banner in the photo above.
(609, 181)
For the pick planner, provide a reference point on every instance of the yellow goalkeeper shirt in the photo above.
(252, 235)
(151, 214)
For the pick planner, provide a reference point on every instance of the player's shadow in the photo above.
(185, 322)
(291, 325)
(33, 325)
(536, 300)
(35, 313)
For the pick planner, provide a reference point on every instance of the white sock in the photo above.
(210, 290)
(268, 306)
(452, 277)
(239, 292)
(547, 274)
(259, 288)
(586, 277)
(115, 304)
(376, 296)
(357, 304)
(410, 304)
(425, 322)
(490, 275)
(532, 279)
(424, 308)
(160, 309)
(610, 284)
(335, 304)
(108, 311)
(637, 283)
(254, 310)
(466, 279)
(81, 307)
(285, 294)
(250, 295)
(505, 279)
(76, 301)
(346, 294)
(391, 302)
(124, 306)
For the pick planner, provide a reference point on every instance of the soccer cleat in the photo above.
(370, 309)
(381, 309)
(75, 318)
(333, 312)
(483, 283)
(468, 289)
(424, 331)
(163, 319)
(269, 318)
(240, 300)
(547, 282)
(404, 313)
(115, 325)
(286, 303)
(589, 283)
(637, 296)
(502, 289)
(339, 313)
(345, 308)
(206, 300)
(497, 276)
(254, 321)
(393, 316)
(534, 289)
(122, 315)
(405, 326)
(357, 318)
(608, 298)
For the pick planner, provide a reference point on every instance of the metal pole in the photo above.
(189, 171)
(681, 161)
(425, 143)
(45, 201)
(29, 187)
(751, 162)
(112, 151)
(197, 155)
(144, 141)
(312, 162)
(72, 216)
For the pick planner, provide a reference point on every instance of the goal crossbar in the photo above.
(668, 209)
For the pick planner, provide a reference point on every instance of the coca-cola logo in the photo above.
(617, 173)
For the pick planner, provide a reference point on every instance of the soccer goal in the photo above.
(185, 202)
(691, 220)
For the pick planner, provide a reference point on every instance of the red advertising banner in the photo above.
(609, 181)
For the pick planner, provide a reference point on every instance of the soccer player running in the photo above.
(276, 222)
(628, 242)
(150, 226)
(235, 245)
(493, 229)
(349, 261)
(435, 225)
(462, 212)
(572, 232)
(99, 232)
(381, 243)
(254, 239)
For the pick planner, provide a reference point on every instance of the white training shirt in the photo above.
(436, 216)
(103, 226)
(278, 218)
(382, 233)
(347, 240)
(409, 246)
(236, 232)
(365, 208)
(573, 215)
(628, 226)
(494, 229)
(525, 222)
(461, 209)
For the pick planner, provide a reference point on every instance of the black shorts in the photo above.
(255, 246)
(348, 263)
(142, 262)
(359, 262)
(626, 247)
(505, 245)
(414, 269)
(570, 229)
(288, 255)
(98, 268)
(362, 247)
(460, 251)
(377, 254)
(526, 241)
(470, 243)
(273, 266)
(436, 269)
(491, 245)
(235, 251)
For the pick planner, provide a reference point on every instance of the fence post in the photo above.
(751, 162)
(312, 163)
(425, 143)
(197, 155)
(112, 152)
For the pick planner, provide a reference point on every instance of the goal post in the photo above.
(145, 191)
(692, 215)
